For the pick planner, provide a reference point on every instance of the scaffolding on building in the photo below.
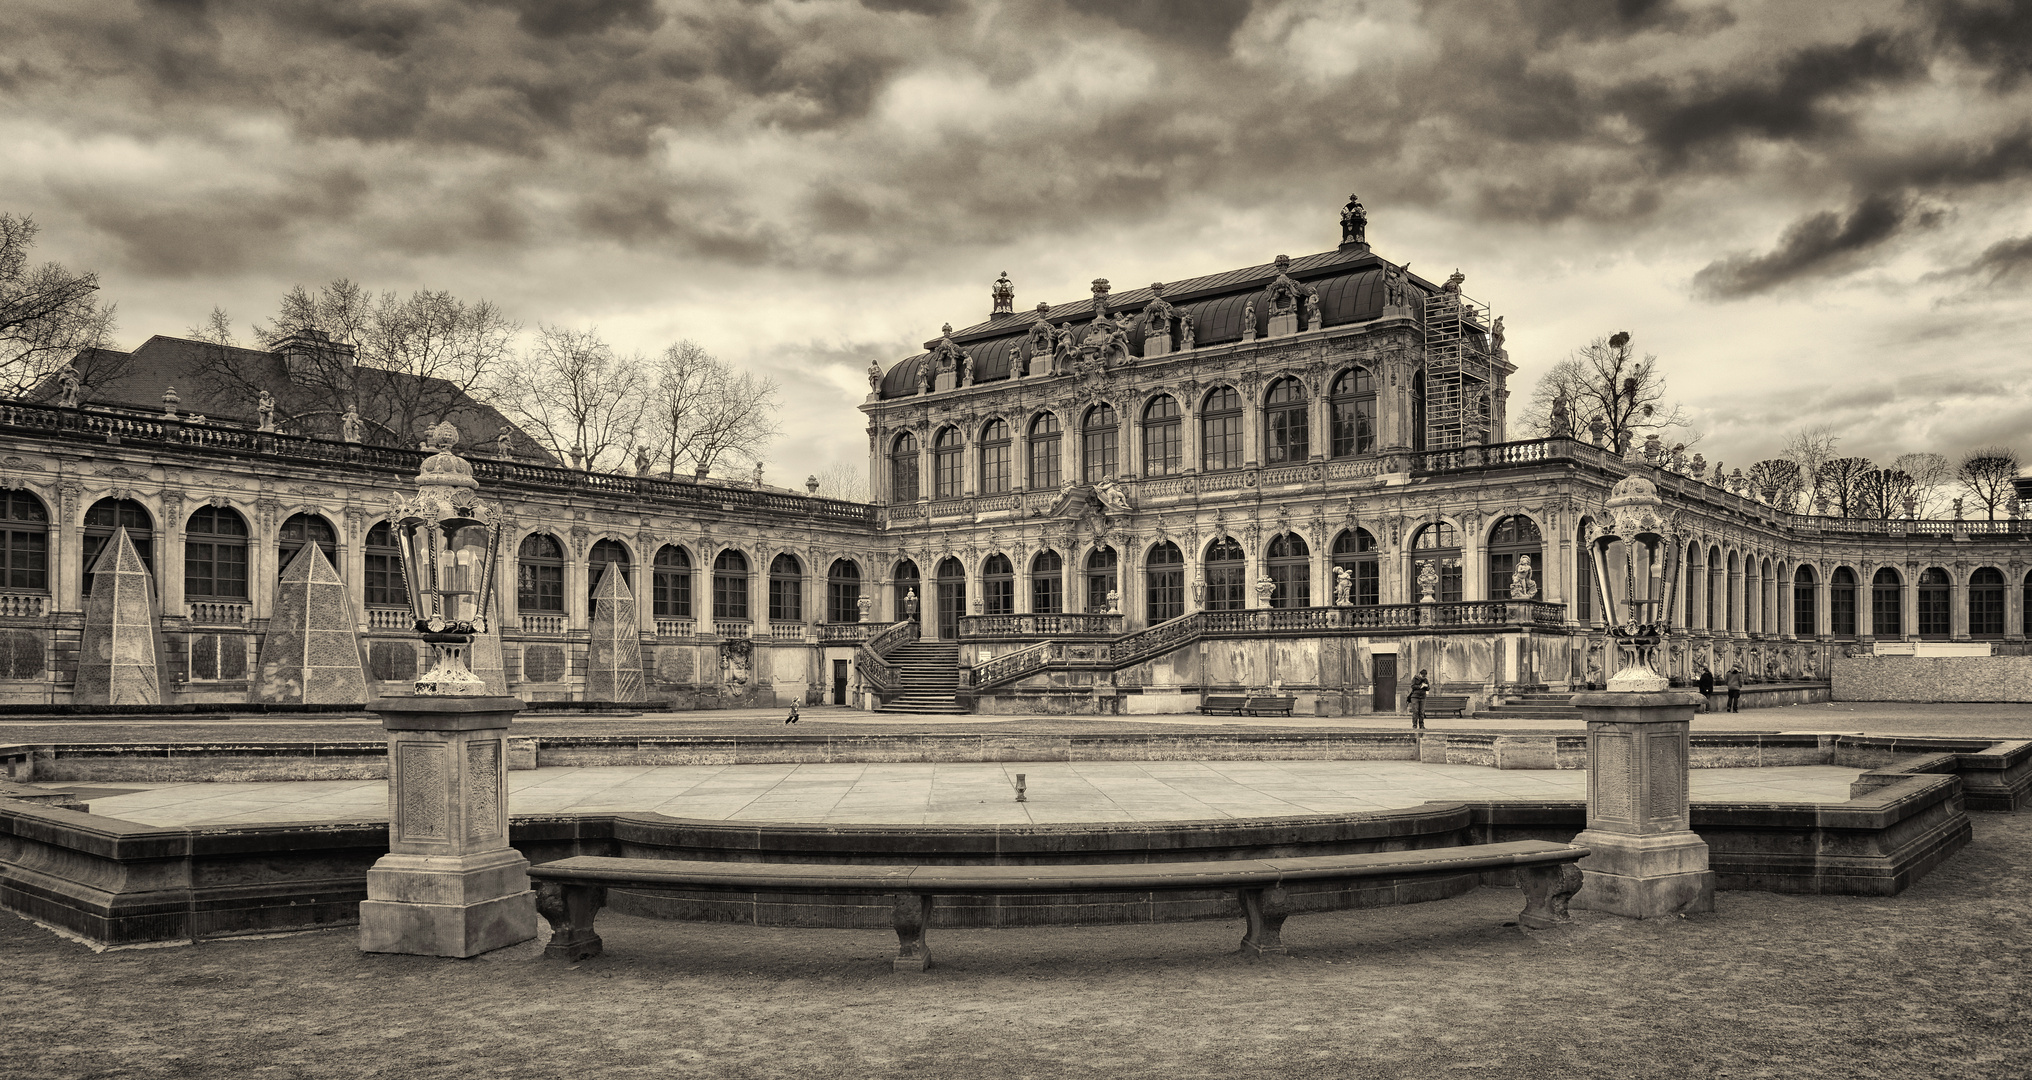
(1459, 371)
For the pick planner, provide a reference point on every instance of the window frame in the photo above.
(202, 574)
(1163, 437)
(24, 543)
(948, 464)
(539, 576)
(1046, 448)
(906, 478)
(1100, 443)
(1163, 583)
(1047, 583)
(1221, 430)
(1286, 423)
(670, 583)
(996, 473)
(786, 588)
(731, 574)
(1351, 413)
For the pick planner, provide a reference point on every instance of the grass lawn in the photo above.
(1931, 984)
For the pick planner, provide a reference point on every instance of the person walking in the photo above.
(792, 718)
(1420, 686)
(1706, 685)
(1735, 687)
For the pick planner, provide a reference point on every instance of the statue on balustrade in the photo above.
(264, 407)
(1428, 582)
(67, 383)
(1114, 602)
(910, 606)
(1523, 583)
(350, 427)
(1343, 586)
(501, 443)
(1185, 332)
(1114, 499)
(1560, 424)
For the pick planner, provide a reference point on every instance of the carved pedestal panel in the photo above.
(1647, 861)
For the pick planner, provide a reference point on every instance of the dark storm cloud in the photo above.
(219, 233)
(2004, 262)
(1198, 24)
(1596, 20)
(1822, 244)
(1994, 34)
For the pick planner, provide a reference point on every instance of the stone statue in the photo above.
(1736, 481)
(501, 442)
(1354, 221)
(1061, 348)
(1114, 602)
(1522, 585)
(1654, 448)
(874, 376)
(1496, 336)
(1105, 343)
(1560, 424)
(349, 426)
(1596, 429)
(1282, 292)
(1393, 284)
(1428, 582)
(966, 371)
(1185, 332)
(265, 408)
(910, 606)
(1313, 315)
(1157, 316)
(642, 461)
(1249, 321)
(1343, 586)
(1957, 509)
(924, 376)
(1113, 498)
(1699, 466)
(1038, 343)
(2013, 507)
(1453, 283)
(1911, 503)
(67, 382)
(1198, 588)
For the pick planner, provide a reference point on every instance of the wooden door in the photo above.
(839, 682)
(1384, 699)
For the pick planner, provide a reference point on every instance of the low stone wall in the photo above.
(1932, 678)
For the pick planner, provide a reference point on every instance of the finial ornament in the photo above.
(1354, 221)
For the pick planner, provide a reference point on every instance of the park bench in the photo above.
(1446, 704)
(1249, 704)
(571, 891)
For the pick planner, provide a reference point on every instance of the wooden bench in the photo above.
(571, 891)
(1446, 704)
(1252, 705)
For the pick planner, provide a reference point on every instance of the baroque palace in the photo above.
(1295, 476)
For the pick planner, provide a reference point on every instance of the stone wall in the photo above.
(1932, 678)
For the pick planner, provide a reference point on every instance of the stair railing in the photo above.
(871, 657)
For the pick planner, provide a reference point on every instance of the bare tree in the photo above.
(1986, 474)
(843, 480)
(703, 412)
(1844, 483)
(1778, 481)
(1881, 494)
(1605, 379)
(1810, 449)
(47, 316)
(1930, 473)
(578, 399)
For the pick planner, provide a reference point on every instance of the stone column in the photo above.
(1647, 862)
(450, 885)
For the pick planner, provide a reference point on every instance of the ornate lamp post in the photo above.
(450, 884)
(1647, 861)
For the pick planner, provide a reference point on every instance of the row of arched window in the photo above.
(1885, 608)
(539, 581)
(1287, 437)
(215, 546)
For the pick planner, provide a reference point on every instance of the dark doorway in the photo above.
(952, 598)
(1384, 699)
(839, 682)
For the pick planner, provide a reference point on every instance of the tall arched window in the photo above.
(952, 597)
(1418, 410)
(1437, 545)
(605, 553)
(1102, 577)
(1933, 602)
(1353, 406)
(843, 592)
(1732, 605)
(539, 575)
(998, 586)
(1717, 589)
(786, 589)
(1163, 583)
(1986, 602)
(995, 475)
(1513, 540)
(107, 515)
(670, 583)
(24, 543)
(1161, 442)
(1841, 603)
(1584, 587)
(1887, 604)
(1805, 604)
(1100, 444)
(1227, 576)
(1220, 430)
(1285, 432)
(1046, 452)
(302, 529)
(730, 585)
(903, 472)
(945, 464)
(907, 589)
(384, 585)
(1047, 583)
(1354, 550)
(1290, 568)
(215, 555)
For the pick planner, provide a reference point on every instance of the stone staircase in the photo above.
(1534, 707)
(929, 676)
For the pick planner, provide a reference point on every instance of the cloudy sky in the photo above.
(1813, 212)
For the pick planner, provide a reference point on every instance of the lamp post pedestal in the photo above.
(450, 885)
(1647, 861)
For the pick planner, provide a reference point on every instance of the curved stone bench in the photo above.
(570, 892)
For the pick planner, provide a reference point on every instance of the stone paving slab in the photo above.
(960, 793)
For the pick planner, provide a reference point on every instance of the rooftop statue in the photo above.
(1185, 332)
(1560, 424)
(1393, 284)
(1354, 221)
(1453, 283)
(874, 375)
(1496, 335)
(1282, 293)
(67, 395)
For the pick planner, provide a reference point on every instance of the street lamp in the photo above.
(449, 544)
(1637, 562)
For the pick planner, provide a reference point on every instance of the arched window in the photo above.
(303, 529)
(607, 553)
(1887, 604)
(1438, 546)
(1227, 576)
(945, 464)
(1163, 583)
(670, 583)
(903, 472)
(1418, 410)
(843, 592)
(1161, 442)
(998, 586)
(539, 575)
(1284, 425)
(385, 585)
(1047, 583)
(1220, 430)
(1513, 540)
(1841, 603)
(1584, 585)
(107, 515)
(995, 476)
(730, 585)
(215, 555)
(1986, 602)
(1102, 567)
(1354, 550)
(907, 589)
(1805, 605)
(24, 543)
(1353, 405)
(786, 589)
(1691, 574)
(1046, 453)
(1933, 602)
(1290, 567)
(952, 597)
(1100, 444)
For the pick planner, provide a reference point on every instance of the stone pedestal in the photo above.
(1647, 861)
(1282, 325)
(450, 885)
(1156, 345)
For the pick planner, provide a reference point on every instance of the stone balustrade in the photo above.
(675, 628)
(23, 605)
(390, 618)
(543, 624)
(218, 612)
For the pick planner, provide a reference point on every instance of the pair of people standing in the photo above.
(1734, 684)
(1420, 686)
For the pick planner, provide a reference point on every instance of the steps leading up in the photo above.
(929, 676)
(1534, 707)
